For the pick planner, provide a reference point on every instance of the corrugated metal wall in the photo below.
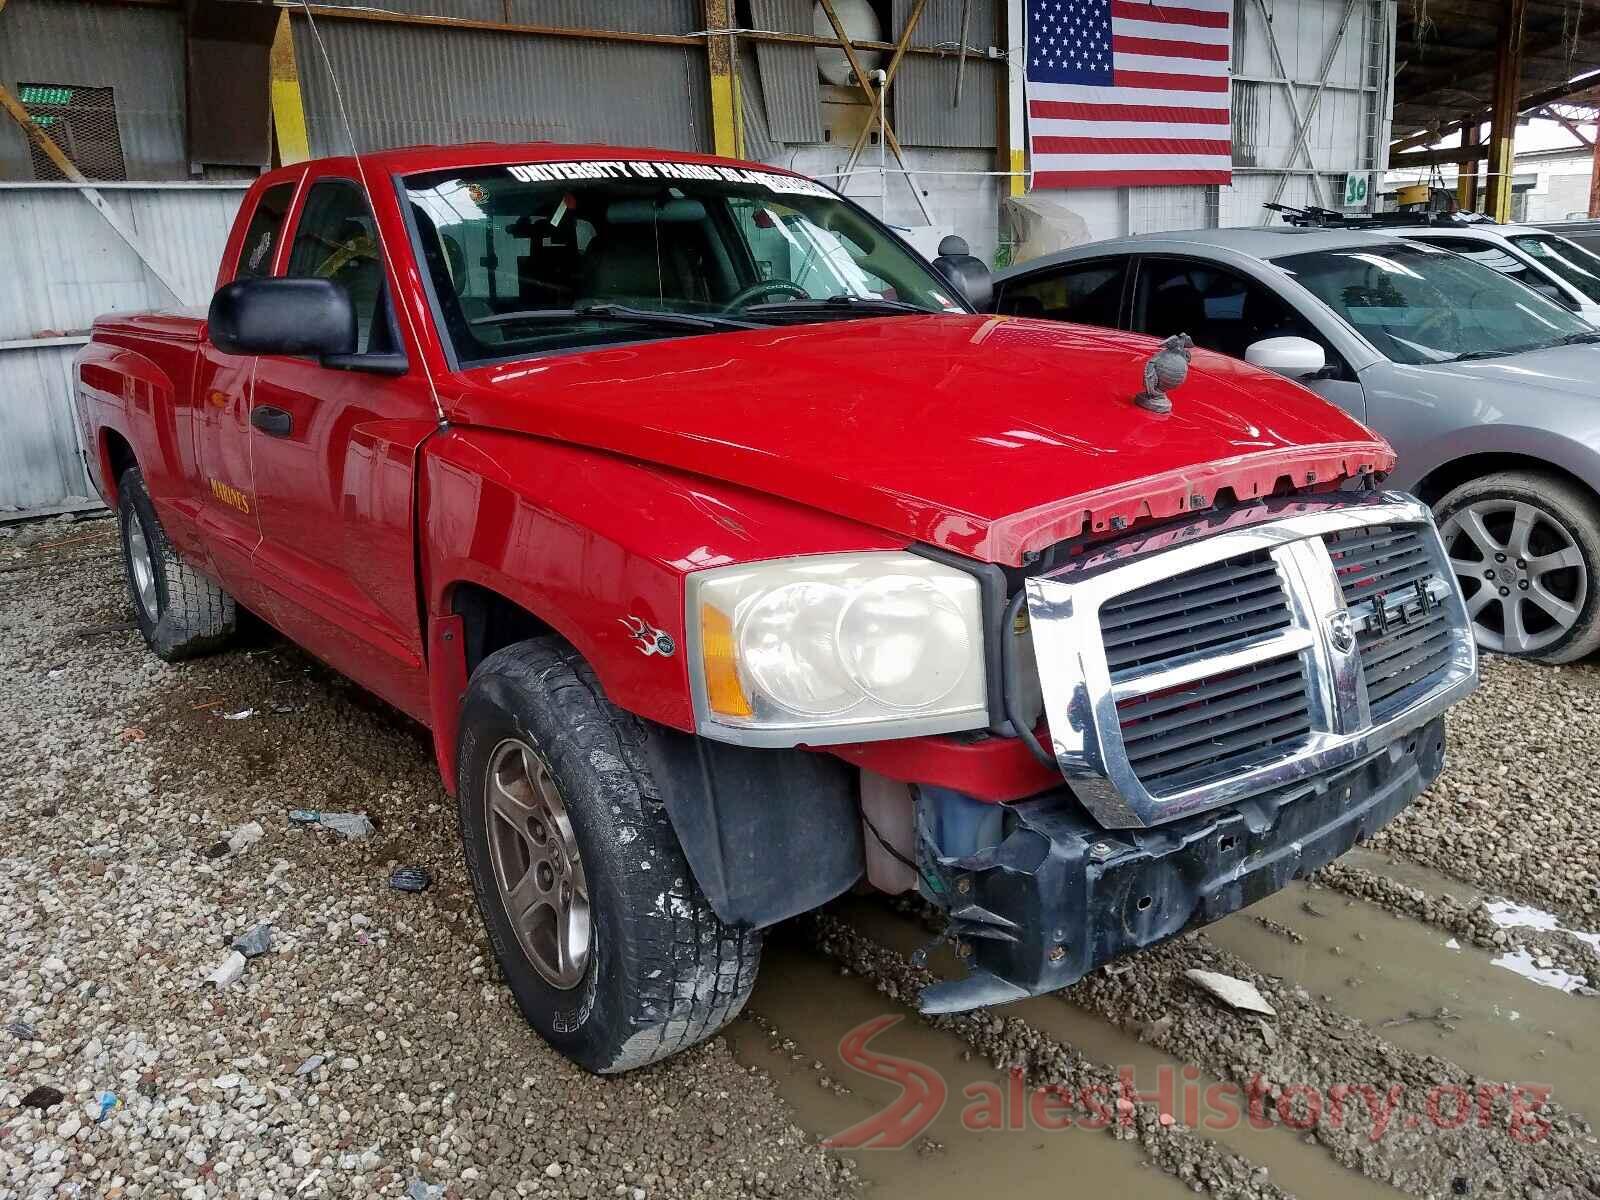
(788, 74)
(137, 52)
(923, 92)
(63, 266)
(407, 84)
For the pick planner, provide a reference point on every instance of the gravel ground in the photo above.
(1517, 809)
(374, 1047)
(122, 776)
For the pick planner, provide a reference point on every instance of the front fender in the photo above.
(1577, 457)
(597, 546)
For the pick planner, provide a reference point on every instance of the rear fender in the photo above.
(119, 390)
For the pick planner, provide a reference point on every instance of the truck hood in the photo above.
(987, 436)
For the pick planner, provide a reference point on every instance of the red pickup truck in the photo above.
(733, 559)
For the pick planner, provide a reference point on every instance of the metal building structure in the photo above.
(134, 89)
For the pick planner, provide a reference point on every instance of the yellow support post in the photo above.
(1467, 172)
(1503, 127)
(727, 134)
(288, 108)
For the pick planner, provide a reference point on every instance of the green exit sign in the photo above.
(39, 93)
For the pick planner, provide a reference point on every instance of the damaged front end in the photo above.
(1232, 703)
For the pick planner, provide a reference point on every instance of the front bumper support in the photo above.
(1047, 895)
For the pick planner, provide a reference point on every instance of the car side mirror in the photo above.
(283, 316)
(1293, 357)
(966, 272)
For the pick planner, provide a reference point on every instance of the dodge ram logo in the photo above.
(647, 639)
(1342, 631)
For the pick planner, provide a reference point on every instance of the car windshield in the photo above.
(1418, 304)
(529, 259)
(1567, 259)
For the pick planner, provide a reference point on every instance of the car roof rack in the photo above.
(1310, 216)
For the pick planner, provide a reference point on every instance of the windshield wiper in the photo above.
(616, 312)
(876, 305)
(1581, 338)
(1474, 355)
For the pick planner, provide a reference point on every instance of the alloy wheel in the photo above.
(142, 566)
(537, 868)
(1521, 573)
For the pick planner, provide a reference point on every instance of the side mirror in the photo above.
(1294, 357)
(283, 316)
(966, 273)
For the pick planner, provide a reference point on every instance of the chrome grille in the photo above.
(1388, 576)
(1208, 609)
(1209, 729)
(1208, 662)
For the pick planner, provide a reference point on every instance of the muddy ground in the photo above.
(1434, 1027)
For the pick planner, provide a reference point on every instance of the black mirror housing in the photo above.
(283, 316)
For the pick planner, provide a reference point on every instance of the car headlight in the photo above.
(836, 648)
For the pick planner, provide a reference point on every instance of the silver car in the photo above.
(1489, 392)
(1550, 264)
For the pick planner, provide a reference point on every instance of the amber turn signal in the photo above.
(724, 693)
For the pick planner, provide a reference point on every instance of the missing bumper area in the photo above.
(1043, 895)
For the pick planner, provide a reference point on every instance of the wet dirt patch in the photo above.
(797, 1041)
(1408, 982)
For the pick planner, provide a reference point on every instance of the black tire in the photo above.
(663, 972)
(182, 613)
(1567, 517)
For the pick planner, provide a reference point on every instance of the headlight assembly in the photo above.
(836, 648)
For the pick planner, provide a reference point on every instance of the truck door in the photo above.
(227, 515)
(333, 452)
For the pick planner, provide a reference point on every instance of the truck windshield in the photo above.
(1419, 304)
(1567, 259)
(527, 259)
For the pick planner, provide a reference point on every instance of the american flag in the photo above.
(1129, 93)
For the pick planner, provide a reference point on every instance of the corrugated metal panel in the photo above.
(39, 462)
(633, 16)
(406, 85)
(64, 266)
(923, 93)
(1248, 100)
(759, 143)
(789, 84)
(137, 52)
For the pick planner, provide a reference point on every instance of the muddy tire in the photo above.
(180, 612)
(566, 838)
(1525, 547)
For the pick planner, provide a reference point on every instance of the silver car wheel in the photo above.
(1521, 573)
(537, 869)
(142, 566)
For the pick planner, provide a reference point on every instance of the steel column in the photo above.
(1503, 126)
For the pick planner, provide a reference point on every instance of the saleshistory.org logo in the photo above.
(1179, 1099)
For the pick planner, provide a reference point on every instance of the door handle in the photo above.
(274, 422)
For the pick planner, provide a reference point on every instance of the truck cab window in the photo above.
(264, 233)
(1087, 293)
(337, 239)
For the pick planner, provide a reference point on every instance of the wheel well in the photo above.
(1440, 482)
(491, 622)
(119, 457)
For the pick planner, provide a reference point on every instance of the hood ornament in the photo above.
(1166, 369)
